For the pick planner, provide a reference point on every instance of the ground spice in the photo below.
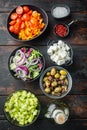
(61, 30)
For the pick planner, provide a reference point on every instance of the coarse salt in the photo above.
(60, 12)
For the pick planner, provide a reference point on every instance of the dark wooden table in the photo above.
(77, 98)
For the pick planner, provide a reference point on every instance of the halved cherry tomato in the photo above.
(14, 16)
(11, 28)
(25, 17)
(26, 9)
(12, 22)
(19, 10)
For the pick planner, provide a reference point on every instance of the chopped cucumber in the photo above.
(22, 107)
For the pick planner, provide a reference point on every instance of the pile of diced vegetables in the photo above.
(23, 107)
(26, 23)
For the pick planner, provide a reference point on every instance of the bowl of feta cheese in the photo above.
(60, 52)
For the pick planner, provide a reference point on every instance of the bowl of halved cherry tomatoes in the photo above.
(27, 22)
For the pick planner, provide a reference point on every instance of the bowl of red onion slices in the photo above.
(26, 63)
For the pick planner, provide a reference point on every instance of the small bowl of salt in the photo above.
(59, 11)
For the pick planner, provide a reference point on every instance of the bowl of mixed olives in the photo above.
(56, 82)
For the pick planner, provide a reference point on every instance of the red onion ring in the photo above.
(22, 58)
(22, 71)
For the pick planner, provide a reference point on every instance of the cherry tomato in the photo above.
(26, 9)
(13, 16)
(22, 25)
(12, 22)
(19, 15)
(19, 21)
(19, 10)
(16, 28)
(30, 12)
(26, 17)
(11, 28)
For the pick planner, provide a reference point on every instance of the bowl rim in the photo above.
(51, 42)
(7, 114)
(66, 25)
(14, 51)
(31, 6)
(69, 79)
(60, 5)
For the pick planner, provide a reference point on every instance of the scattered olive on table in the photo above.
(55, 82)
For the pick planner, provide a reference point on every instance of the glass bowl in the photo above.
(19, 110)
(19, 22)
(48, 89)
(26, 63)
(60, 8)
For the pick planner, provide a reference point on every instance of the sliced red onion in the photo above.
(40, 66)
(22, 71)
(25, 69)
(22, 58)
(32, 62)
(35, 61)
(21, 62)
(29, 52)
(11, 59)
(23, 50)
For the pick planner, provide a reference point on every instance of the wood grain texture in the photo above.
(78, 71)
(77, 31)
(77, 98)
(45, 124)
(76, 36)
(77, 105)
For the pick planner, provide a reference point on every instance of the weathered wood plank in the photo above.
(78, 71)
(77, 31)
(74, 5)
(45, 124)
(77, 105)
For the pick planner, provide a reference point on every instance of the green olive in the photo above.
(64, 89)
(54, 84)
(47, 90)
(57, 75)
(48, 73)
(53, 93)
(62, 77)
(66, 81)
(59, 82)
(45, 78)
(47, 83)
(58, 89)
(63, 72)
(53, 71)
(50, 78)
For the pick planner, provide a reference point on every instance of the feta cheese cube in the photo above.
(50, 51)
(60, 62)
(67, 47)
